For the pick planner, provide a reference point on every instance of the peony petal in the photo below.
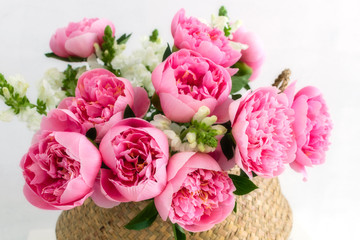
(141, 102)
(163, 202)
(82, 45)
(183, 112)
(99, 197)
(35, 200)
(75, 190)
(222, 111)
(176, 162)
(202, 161)
(57, 43)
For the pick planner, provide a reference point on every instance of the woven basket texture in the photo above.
(264, 214)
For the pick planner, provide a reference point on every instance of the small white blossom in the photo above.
(31, 117)
(219, 22)
(220, 129)
(98, 51)
(49, 88)
(209, 120)
(93, 63)
(161, 122)
(238, 46)
(6, 93)
(191, 137)
(201, 113)
(7, 115)
(19, 84)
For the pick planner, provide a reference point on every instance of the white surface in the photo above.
(319, 40)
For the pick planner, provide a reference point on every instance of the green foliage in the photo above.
(123, 38)
(167, 52)
(235, 207)
(129, 113)
(68, 59)
(179, 232)
(243, 184)
(222, 11)
(154, 35)
(144, 219)
(241, 78)
(204, 133)
(108, 50)
(17, 102)
(70, 80)
(227, 144)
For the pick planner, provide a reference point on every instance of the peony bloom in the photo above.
(78, 38)
(254, 55)
(190, 33)
(186, 81)
(262, 126)
(101, 99)
(136, 154)
(312, 127)
(198, 194)
(60, 170)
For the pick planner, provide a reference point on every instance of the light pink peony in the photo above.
(312, 127)
(136, 154)
(101, 98)
(190, 33)
(186, 81)
(254, 56)
(60, 170)
(198, 194)
(78, 38)
(262, 123)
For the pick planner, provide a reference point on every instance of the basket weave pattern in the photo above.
(264, 214)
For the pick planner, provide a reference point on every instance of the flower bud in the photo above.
(6, 93)
(209, 120)
(191, 137)
(201, 113)
(220, 129)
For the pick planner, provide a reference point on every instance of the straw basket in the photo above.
(264, 214)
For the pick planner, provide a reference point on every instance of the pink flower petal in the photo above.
(141, 102)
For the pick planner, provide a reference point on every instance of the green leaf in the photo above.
(243, 185)
(228, 145)
(68, 59)
(70, 81)
(167, 52)
(235, 207)
(154, 36)
(144, 219)
(179, 233)
(239, 82)
(123, 38)
(129, 113)
(91, 134)
(222, 11)
(236, 96)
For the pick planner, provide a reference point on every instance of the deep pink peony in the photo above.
(254, 56)
(312, 127)
(186, 81)
(198, 194)
(190, 33)
(78, 38)
(262, 126)
(101, 98)
(60, 170)
(136, 154)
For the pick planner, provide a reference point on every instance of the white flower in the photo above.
(7, 115)
(221, 130)
(19, 84)
(93, 63)
(31, 117)
(6, 93)
(161, 122)
(238, 46)
(201, 113)
(219, 22)
(209, 120)
(49, 88)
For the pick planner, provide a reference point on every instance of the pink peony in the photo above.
(312, 127)
(101, 98)
(198, 194)
(190, 33)
(136, 154)
(78, 39)
(262, 123)
(254, 56)
(186, 81)
(60, 170)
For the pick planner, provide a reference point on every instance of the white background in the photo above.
(319, 40)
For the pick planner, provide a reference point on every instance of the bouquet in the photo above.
(162, 124)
